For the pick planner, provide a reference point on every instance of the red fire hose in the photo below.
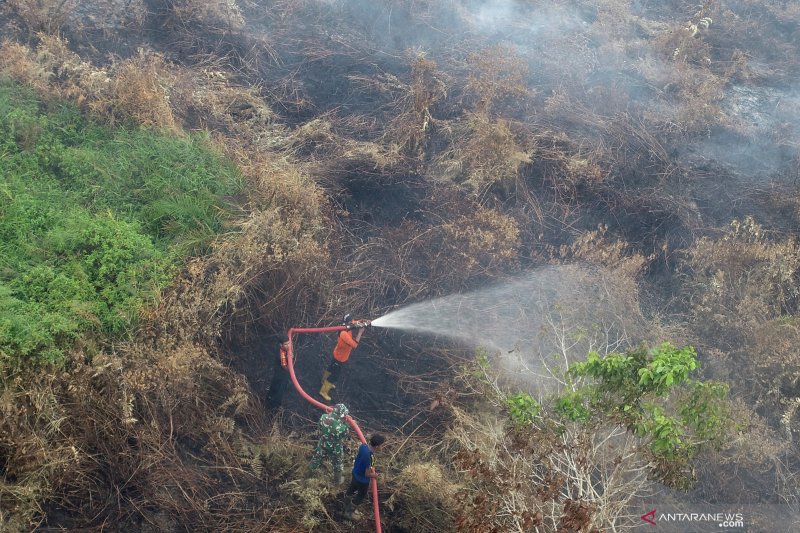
(373, 482)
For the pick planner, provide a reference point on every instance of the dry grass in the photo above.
(412, 119)
(39, 456)
(498, 466)
(478, 243)
(485, 153)
(138, 92)
(17, 62)
(249, 280)
(740, 281)
(134, 90)
(614, 256)
(217, 15)
(454, 249)
(48, 16)
(158, 429)
(423, 498)
(496, 79)
(332, 152)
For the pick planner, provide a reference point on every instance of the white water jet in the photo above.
(538, 322)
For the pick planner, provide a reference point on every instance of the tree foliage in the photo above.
(650, 393)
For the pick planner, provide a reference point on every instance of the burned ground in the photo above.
(396, 152)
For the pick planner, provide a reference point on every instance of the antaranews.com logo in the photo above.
(725, 520)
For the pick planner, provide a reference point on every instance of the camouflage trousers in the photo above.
(328, 450)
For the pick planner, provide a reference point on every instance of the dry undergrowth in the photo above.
(47, 16)
(484, 153)
(130, 435)
(165, 398)
(516, 481)
(744, 289)
(412, 119)
(162, 422)
(741, 280)
(135, 90)
(422, 498)
(215, 14)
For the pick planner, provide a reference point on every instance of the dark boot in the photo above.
(347, 512)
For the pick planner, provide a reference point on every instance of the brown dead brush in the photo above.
(37, 454)
(138, 92)
(480, 242)
(411, 110)
(276, 181)
(212, 15)
(698, 95)
(238, 110)
(740, 281)
(147, 90)
(597, 248)
(495, 79)
(742, 292)
(680, 45)
(484, 153)
(205, 96)
(533, 477)
(776, 372)
(135, 90)
(47, 16)
(17, 62)
(688, 77)
(423, 498)
(490, 495)
(248, 280)
(53, 70)
(417, 260)
(332, 153)
(765, 32)
(486, 147)
(156, 427)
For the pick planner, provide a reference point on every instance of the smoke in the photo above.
(755, 150)
(494, 15)
(510, 21)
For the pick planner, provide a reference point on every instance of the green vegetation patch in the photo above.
(93, 222)
(649, 391)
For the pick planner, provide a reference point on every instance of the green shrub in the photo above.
(93, 222)
(522, 409)
(649, 392)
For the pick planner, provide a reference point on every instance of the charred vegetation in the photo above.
(389, 153)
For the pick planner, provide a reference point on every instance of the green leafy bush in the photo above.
(93, 222)
(522, 409)
(649, 392)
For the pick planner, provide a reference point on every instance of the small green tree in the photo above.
(649, 392)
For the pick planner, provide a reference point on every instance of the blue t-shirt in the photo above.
(363, 461)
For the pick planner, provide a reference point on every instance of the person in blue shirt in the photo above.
(363, 471)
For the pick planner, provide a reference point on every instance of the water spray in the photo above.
(536, 323)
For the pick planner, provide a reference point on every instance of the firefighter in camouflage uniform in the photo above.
(333, 430)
